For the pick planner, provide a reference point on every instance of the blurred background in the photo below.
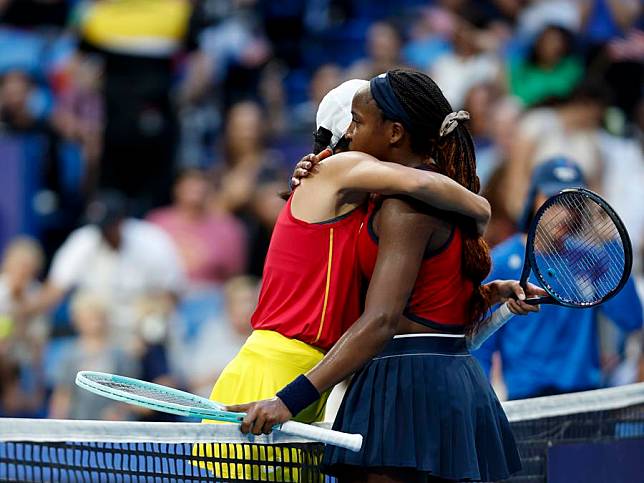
(143, 144)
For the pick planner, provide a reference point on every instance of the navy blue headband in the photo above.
(385, 97)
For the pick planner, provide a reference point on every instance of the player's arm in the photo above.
(355, 171)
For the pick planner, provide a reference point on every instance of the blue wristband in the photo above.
(298, 394)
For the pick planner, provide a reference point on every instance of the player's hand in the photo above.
(261, 416)
(307, 165)
(510, 291)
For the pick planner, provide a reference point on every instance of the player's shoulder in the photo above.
(407, 215)
(395, 205)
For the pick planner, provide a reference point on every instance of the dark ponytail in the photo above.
(321, 140)
(453, 155)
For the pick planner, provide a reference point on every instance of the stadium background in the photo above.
(126, 94)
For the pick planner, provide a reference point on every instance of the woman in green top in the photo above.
(550, 71)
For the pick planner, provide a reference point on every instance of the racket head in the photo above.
(579, 249)
(154, 396)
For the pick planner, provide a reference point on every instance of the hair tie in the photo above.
(451, 121)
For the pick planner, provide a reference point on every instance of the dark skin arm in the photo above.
(404, 235)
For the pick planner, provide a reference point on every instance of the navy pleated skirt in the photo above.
(424, 403)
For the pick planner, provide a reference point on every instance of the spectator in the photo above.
(245, 156)
(21, 342)
(121, 259)
(479, 102)
(23, 106)
(467, 65)
(247, 174)
(555, 350)
(211, 246)
(384, 46)
(79, 116)
(570, 129)
(604, 20)
(140, 131)
(537, 14)
(503, 121)
(21, 264)
(550, 70)
(196, 360)
(614, 47)
(431, 36)
(91, 351)
(325, 78)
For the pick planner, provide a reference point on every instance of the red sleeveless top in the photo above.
(441, 294)
(311, 282)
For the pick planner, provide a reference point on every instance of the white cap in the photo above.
(334, 111)
(555, 13)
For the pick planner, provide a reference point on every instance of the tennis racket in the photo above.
(173, 401)
(578, 250)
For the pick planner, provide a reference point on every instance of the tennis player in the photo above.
(310, 291)
(422, 402)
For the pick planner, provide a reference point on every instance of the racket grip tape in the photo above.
(489, 326)
(349, 441)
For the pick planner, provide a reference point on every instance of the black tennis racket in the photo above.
(578, 250)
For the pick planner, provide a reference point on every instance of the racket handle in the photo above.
(328, 436)
(489, 326)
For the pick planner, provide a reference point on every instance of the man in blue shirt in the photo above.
(555, 350)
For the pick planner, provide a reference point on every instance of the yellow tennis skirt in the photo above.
(266, 363)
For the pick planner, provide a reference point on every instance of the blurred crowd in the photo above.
(143, 144)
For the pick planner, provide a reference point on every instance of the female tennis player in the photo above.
(422, 402)
(310, 291)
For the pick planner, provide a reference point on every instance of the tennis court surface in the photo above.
(48, 450)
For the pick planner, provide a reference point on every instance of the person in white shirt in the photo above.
(469, 64)
(123, 260)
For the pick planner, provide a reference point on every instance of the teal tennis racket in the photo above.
(168, 400)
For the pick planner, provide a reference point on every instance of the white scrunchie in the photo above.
(451, 121)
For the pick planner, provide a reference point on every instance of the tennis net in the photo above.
(51, 450)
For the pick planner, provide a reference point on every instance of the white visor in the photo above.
(334, 111)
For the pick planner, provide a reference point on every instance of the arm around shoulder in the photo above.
(362, 172)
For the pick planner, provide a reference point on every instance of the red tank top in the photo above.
(441, 294)
(311, 282)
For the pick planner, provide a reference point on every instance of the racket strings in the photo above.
(578, 250)
(152, 393)
(589, 262)
(586, 260)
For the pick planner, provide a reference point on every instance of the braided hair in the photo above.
(453, 156)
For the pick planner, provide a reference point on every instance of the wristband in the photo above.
(298, 394)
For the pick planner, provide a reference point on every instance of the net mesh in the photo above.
(578, 250)
(69, 451)
(48, 450)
